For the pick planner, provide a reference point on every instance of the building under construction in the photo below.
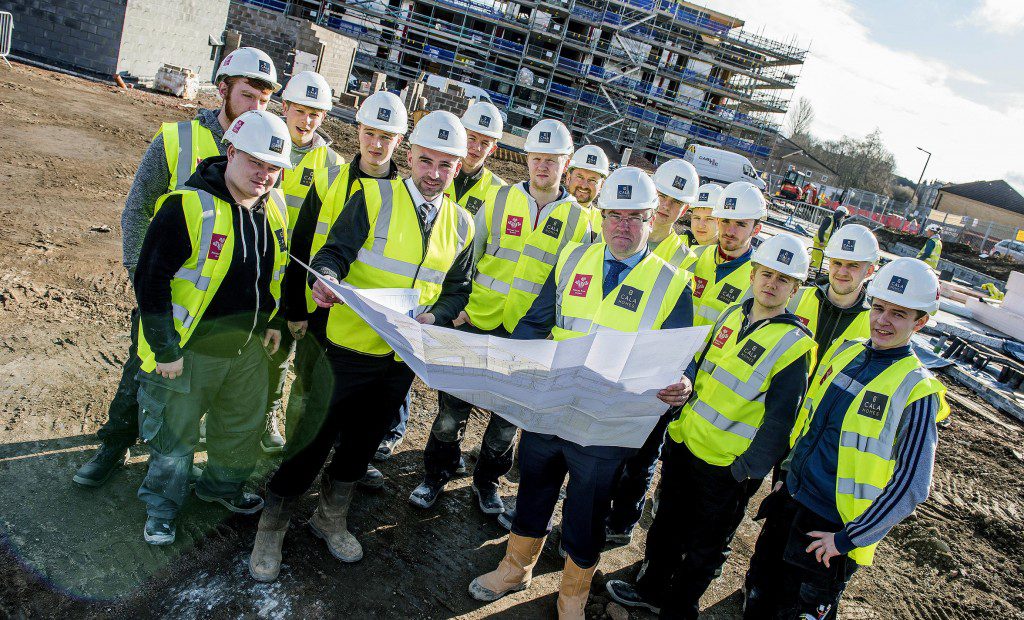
(653, 75)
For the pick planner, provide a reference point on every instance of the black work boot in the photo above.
(99, 468)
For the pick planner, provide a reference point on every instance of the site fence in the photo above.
(981, 235)
(6, 29)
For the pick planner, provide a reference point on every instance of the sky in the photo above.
(946, 76)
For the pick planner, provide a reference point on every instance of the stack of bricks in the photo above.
(454, 100)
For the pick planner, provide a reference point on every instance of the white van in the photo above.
(721, 166)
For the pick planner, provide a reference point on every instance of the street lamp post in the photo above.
(921, 178)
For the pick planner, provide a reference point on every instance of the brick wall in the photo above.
(280, 35)
(454, 100)
(83, 35)
(175, 32)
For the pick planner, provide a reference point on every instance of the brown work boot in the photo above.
(265, 561)
(330, 521)
(513, 573)
(572, 595)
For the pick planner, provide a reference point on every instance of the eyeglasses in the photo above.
(632, 220)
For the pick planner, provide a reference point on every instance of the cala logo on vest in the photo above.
(580, 284)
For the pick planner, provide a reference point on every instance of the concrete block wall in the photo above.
(83, 35)
(454, 101)
(175, 32)
(339, 54)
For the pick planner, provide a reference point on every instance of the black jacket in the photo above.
(351, 230)
(832, 320)
(240, 310)
(301, 244)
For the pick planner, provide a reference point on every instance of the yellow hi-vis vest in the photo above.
(482, 191)
(932, 259)
(332, 187)
(393, 256)
(805, 305)
(867, 441)
(185, 145)
(295, 183)
(711, 296)
(673, 249)
(721, 419)
(596, 220)
(212, 233)
(523, 256)
(641, 302)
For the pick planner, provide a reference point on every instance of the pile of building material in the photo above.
(1008, 315)
(178, 81)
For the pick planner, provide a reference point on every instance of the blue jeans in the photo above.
(402, 420)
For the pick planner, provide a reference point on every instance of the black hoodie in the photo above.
(833, 320)
(240, 310)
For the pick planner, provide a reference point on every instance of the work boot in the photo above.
(488, 499)
(506, 518)
(426, 493)
(372, 480)
(626, 594)
(101, 466)
(242, 503)
(387, 448)
(158, 531)
(265, 561)
(611, 537)
(330, 521)
(514, 572)
(572, 595)
(272, 442)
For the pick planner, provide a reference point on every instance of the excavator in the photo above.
(792, 186)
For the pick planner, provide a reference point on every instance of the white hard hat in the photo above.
(248, 62)
(440, 131)
(310, 89)
(678, 179)
(262, 135)
(934, 227)
(741, 201)
(590, 157)
(384, 111)
(628, 189)
(484, 117)
(549, 136)
(907, 282)
(841, 210)
(783, 253)
(707, 196)
(853, 242)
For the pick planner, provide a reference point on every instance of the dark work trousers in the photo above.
(631, 490)
(121, 429)
(367, 390)
(701, 506)
(309, 363)
(443, 452)
(784, 581)
(544, 461)
(278, 372)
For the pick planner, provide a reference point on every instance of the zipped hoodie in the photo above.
(240, 310)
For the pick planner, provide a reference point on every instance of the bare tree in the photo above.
(800, 119)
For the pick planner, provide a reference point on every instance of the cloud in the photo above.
(998, 16)
(857, 84)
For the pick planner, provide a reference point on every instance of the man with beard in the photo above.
(735, 427)
(245, 80)
(588, 169)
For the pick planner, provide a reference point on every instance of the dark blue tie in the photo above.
(615, 269)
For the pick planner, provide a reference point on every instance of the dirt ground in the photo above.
(68, 151)
(959, 253)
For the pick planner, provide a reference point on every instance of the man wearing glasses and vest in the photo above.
(382, 123)
(620, 285)
(245, 80)
(863, 460)
(208, 285)
(391, 234)
(519, 235)
(306, 100)
(750, 380)
(721, 273)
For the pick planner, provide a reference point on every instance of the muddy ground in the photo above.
(68, 151)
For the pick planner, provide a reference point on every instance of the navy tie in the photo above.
(611, 280)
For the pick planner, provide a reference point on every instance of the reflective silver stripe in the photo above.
(279, 273)
(534, 252)
(526, 286)
(499, 252)
(185, 155)
(322, 228)
(576, 324)
(426, 274)
(722, 423)
(391, 265)
(195, 276)
(708, 312)
(492, 283)
(575, 213)
(859, 490)
(293, 200)
(498, 215)
(653, 307)
(380, 229)
(751, 388)
(282, 205)
(332, 158)
(799, 297)
(463, 228)
(884, 445)
(848, 384)
(564, 279)
(680, 255)
(181, 313)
